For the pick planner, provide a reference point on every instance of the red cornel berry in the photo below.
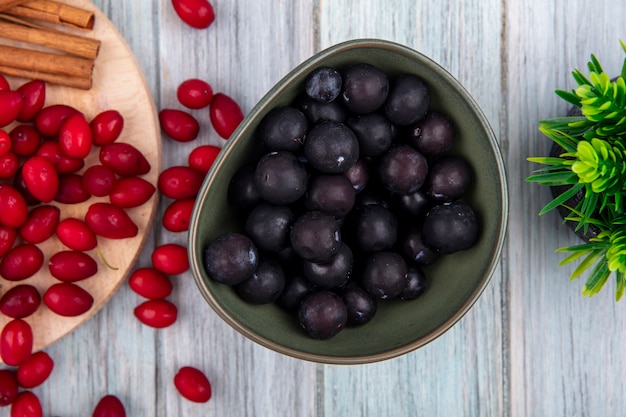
(156, 313)
(198, 14)
(225, 115)
(193, 384)
(109, 406)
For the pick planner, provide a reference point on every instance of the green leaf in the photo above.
(569, 97)
(554, 178)
(597, 279)
(620, 285)
(562, 198)
(590, 260)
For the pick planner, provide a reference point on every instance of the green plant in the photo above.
(592, 164)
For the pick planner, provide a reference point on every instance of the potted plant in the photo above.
(586, 171)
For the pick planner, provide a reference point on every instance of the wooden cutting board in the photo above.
(118, 83)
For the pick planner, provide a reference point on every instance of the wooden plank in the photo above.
(565, 349)
(461, 373)
(250, 46)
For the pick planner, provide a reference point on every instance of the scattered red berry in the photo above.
(106, 127)
(177, 215)
(170, 258)
(225, 115)
(150, 283)
(67, 299)
(193, 384)
(109, 406)
(156, 313)
(202, 157)
(198, 14)
(194, 93)
(26, 404)
(179, 125)
(9, 387)
(35, 370)
(16, 342)
(20, 301)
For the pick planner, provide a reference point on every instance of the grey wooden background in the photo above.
(532, 345)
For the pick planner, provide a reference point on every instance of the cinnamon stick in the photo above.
(6, 4)
(52, 11)
(45, 62)
(72, 44)
(64, 80)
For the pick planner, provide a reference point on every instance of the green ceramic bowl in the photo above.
(455, 281)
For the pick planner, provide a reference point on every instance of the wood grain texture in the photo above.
(531, 346)
(461, 373)
(565, 349)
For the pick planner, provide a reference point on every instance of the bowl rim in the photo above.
(358, 43)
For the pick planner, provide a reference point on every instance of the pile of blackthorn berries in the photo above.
(355, 194)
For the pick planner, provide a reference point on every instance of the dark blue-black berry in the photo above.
(373, 131)
(322, 314)
(408, 100)
(315, 236)
(280, 177)
(402, 169)
(331, 147)
(451, 227)
(365, 88)
(231, 258)
(264, 285)
(283, 128)
(268, 226)
(323, 84)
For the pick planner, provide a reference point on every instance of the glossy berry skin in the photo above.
(106, 127)
(20, 301)
(194, 93)
(365, 88)
(322, 314)
(403, 170)
(408, 100)
(49, 120)
(99, 180)
(35, 370)
(7, 238)
(75, 137)
(76, 235)
(280, 178)
(156, 313)
(41, 178)
(448, 180)
(331, 147)
(71, 190)
(9, 387)
(131, 192)
(179, 125)
(361, 305)
(150, 283)
(231, 258)
(193, 384)
(34, 93)
(432, 135)
(323, 84)
(180, 182)
(124, 159)
(11, 104)
(109, 406)
(110, 221)
(170, 258)
(24, 140)
(5, 143)
(41, 224)
(283, 128)
(21, 262)
(225, 115)
(384, 275)
(451, 227)
(26, 404)
(16, 342)
(51, 150)
(198, 14)
(9, 165)
(177, 215)
(12, 206)
(202, 157)
(264, 285)
(315, 236)
(72, 266)
(67, 299)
